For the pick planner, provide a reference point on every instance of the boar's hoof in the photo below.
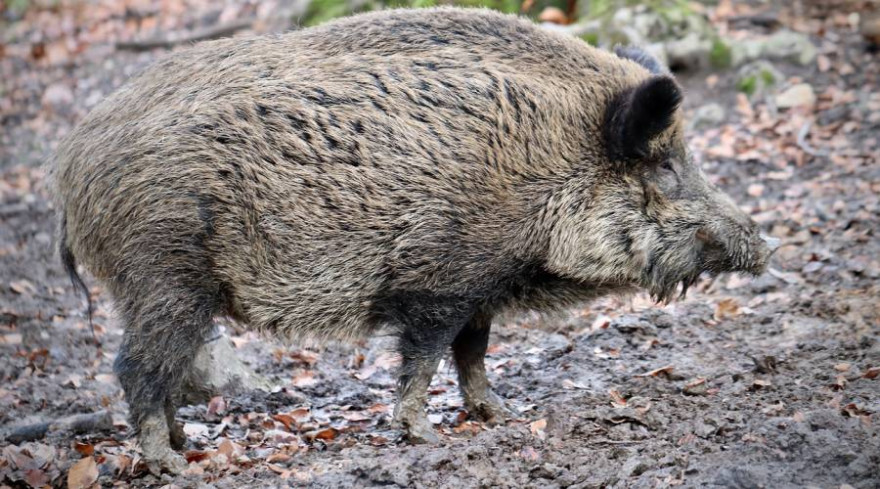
(155, 440)
(417, 429)
(491, 409)
(170, 462)
(177, 436)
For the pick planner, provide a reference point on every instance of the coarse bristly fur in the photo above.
(420, 169)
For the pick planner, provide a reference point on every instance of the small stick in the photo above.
(212, 32)
(804, 145)
(79, 424)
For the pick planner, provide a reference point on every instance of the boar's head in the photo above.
(645, 215)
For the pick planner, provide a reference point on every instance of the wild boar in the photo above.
(420, 170)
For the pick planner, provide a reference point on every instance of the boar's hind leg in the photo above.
(469, 350)
(163, 333)
(429, 325)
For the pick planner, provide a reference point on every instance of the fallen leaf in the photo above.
(842, 367)
(326, 434)
(287, 420)
(726, 308)
(872, 373)
(305, 378)
(82, 474)
(195, 429)
(86, 449)
(196, 456)
(303, 356)
(695, 387)
(278, 457)
(468, 426)
(217, 405)
(529, 453)
(616, 398)
(22, 287)
(553, 15)
(539, 425)
(654, 373)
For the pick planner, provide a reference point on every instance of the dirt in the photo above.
(771, 382)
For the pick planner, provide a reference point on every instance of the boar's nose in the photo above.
(772, 243)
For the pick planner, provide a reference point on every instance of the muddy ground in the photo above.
(771, 382)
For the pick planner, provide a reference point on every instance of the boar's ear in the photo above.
(638, 114)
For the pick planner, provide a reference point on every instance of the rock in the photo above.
(757, 78)
(791, 46)
(635, 466)
(58, 97)
(709, 115)
(553, 15)
(784, 45)
(218, 370)
(690, 52)
(800, 95)
(742, 52)
(869, 25)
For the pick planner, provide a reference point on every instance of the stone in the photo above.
(709, 115)
(800, 95)
(757, 79)
(57, 97)
(690, 52)
(218, 370)
(791, 46)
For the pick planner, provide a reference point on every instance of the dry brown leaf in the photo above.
(529, 453)
(217, 405)
(378, 408)
(82, 474)
(196, 456)
(86, 449)
(356, 416)
(36, 478)
(468, 426)
(872, 373)
(553, 15)
(22, 287)
(726, 308)
(278, 457)
(305, 378)
(327, 434)
(842, 367)
(539, 425)
(654, 373)
(616, 398)
(303, 356)
(287, 420)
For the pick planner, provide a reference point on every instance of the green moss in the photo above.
(591, 38)
(768, 77)
(748, 85)
(720, 56)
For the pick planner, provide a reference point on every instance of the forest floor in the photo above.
(771, 382)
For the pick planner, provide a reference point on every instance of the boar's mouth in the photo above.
(699, 255)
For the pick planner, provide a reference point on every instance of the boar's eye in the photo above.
(667, 178)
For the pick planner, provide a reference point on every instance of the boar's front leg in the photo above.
(428, 326)
(469, 350)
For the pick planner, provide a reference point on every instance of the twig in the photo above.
(212, 32)
(804, 145)
(80, 424)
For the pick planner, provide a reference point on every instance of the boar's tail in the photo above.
(69, 263)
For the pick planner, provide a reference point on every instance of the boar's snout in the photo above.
(736, 245)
